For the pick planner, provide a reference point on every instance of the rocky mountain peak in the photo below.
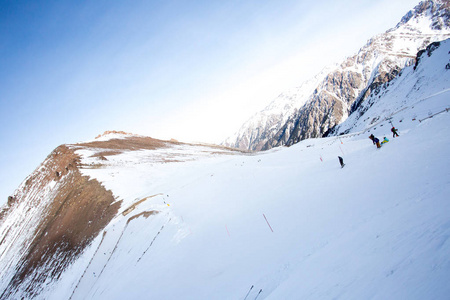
(436, 10)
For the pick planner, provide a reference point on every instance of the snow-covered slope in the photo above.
(411, 96)
(289, 223)
(196, 222)
(316, 107)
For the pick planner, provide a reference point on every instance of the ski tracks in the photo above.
(248, 294)
(95, 257)
(121, 235)
(152, 241)
(87, 267)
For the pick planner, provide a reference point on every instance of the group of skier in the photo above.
(375, 141)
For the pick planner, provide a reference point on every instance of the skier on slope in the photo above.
(394, 132)
(385, 140)
(341, 161)
(375, 140)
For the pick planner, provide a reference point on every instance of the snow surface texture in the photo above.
(288, 223)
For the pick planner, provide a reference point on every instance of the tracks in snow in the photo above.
(145, 214)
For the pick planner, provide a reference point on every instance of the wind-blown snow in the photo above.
(289, 221)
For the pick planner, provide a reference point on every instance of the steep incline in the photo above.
(55, 213)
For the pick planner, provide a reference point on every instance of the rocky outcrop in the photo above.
(429, 50)
(439, 10)
(55, 213)
(328, 105)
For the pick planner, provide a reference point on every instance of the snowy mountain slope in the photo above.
(378, 228)
(197, 222)
(57, 211)
(338, 92)
(423, 84)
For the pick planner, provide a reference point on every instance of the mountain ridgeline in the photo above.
(316, 107)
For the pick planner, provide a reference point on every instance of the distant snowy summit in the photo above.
(318, 105)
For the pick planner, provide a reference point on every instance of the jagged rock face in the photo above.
(255, 133)
(438, 9)
(56, 213)
(338, 93)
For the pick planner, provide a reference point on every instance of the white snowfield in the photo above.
(288, 223)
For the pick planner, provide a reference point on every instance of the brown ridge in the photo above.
(81, 208)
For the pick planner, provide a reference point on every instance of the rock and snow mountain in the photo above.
(131, 217)
(314, 108)
(414, 79)
(58, 210)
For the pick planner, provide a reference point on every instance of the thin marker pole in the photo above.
(227, 231)
(267, 222)
(248, 292)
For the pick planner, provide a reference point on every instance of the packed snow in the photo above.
(288, 223)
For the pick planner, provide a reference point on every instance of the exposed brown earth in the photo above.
(145, 214)
(81, 208)
(134, 205)
(117, 146)
(128, 143)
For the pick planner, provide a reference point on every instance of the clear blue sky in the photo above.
(190, 70)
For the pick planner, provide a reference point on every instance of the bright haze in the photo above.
(188, 70)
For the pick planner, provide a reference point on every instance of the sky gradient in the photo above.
(189, 70)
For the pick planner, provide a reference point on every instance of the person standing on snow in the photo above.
(375, 140)
(385, 140)
(341, 161)
(394, 132)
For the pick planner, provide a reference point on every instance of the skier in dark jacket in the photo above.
(375, 140)
(341, 161)
(394, 132)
